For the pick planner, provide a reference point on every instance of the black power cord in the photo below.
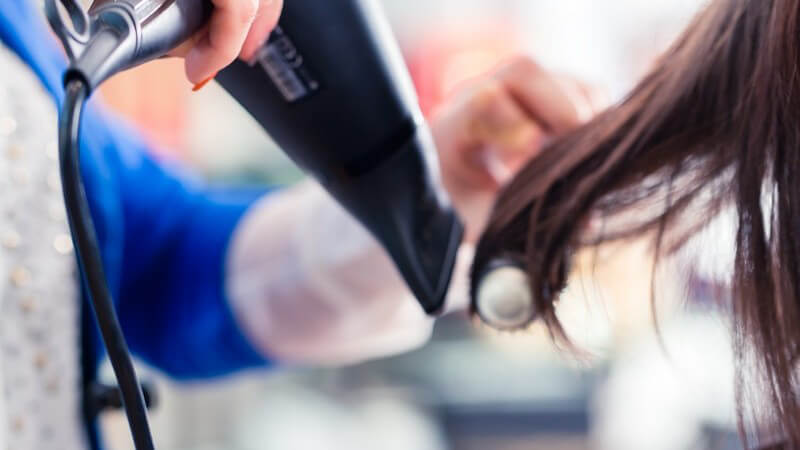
(91, 264)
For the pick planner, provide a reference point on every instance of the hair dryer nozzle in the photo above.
(402, 204)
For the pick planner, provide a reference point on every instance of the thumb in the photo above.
(505, 150)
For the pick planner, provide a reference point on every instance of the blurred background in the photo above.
(632, 386)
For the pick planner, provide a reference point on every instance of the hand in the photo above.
(238, 28)
(485, 133)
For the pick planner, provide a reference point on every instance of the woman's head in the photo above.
(715, 124)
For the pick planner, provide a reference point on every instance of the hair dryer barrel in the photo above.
(331, 89)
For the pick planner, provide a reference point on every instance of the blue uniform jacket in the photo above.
(164, 239)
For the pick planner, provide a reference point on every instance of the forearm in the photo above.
(309, 285)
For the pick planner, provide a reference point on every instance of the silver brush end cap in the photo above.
(504, 299)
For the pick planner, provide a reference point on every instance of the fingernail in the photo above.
(495, 167)
(252, 57)
(203, 83)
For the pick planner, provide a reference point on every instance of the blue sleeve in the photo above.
(164, 239)
(176, 232)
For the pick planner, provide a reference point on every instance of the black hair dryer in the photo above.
(331, 88)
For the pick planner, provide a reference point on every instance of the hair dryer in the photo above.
(329, 86)
(331, 89)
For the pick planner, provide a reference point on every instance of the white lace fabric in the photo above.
(39, 309)
(311, 286)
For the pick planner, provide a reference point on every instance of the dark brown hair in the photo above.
(715, 124)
